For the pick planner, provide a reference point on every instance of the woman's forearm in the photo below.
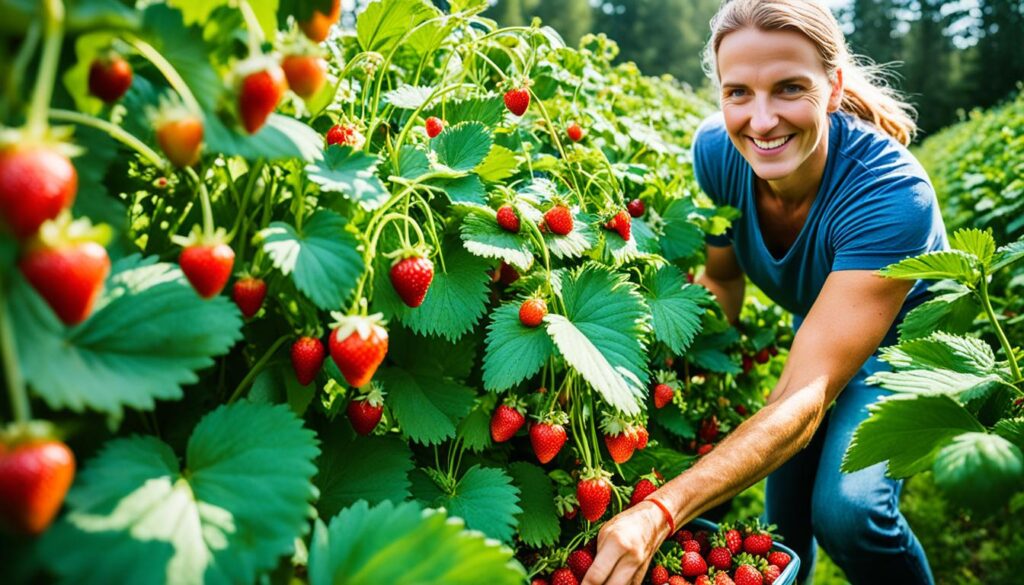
(728, 293)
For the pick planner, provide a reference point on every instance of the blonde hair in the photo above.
(865, 93)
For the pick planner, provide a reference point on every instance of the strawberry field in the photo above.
(410, 301)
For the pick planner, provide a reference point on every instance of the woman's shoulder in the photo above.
(868, 151)
(711, 133)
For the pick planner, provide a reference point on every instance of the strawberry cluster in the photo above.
(732, 555)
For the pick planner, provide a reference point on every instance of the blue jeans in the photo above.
(854, 516)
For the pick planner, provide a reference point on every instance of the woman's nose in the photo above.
(763, 119)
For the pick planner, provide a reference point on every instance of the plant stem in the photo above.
(115, 132)
(252, 25)
(168, 71)
(257, 368)
(1007, 348)
(15, 383)
(43, 92)
(16, 74)
(204, 199)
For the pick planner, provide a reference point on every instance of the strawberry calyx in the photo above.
(363, 325)
(63, 231)
(199, 237)
(614, 424)
(373, 394)
(56, 138)
(16, 434)
(555, 417)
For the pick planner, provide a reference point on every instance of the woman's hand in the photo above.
(626, 545)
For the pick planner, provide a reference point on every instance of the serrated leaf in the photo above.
(576, 243)
(466, 190)
(399, 544)
(280, 138)
(1008, 254)
(323, 261)
(462, 147)
(514, 351)
(601, 335)
(974, 241)
(240, 503)
(486, 499)
(148, 336)
(475, 429)
(673, 420)
(408, 97)
(907, 432)
(646, 240)
(426, 405)
(382, 24)
(197, 11)
(489, 111)
(713, 360)
(413, 162)
(942, 351)
(979, 470)
(485, 238)
(351, 173)
(538, 522)
(681, 238)
(676, 308)
(953, 264)
(938, 381)
(186, 50)
(500, 163)
(952, 312)
(353, 468)
(1011, 429)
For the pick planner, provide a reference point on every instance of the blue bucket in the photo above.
(788, 576)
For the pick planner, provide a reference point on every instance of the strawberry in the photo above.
(733, 541)
(779, 558)
(642, 436)
(574, 132)
(364, 412)
(37, 182)
(757, 543)
(318, 26)
(636, 208)
(306, 74)
(559, 220)
(547, 440)
(307, 358)
(659, 575)
(506, 274)
(248, 293)
(691, 546)
(677, 580)
(411, 276)
(539, 581)
(705, 449)
(663, 394)
(563, 576)
(506, 422)
(747, 575)
(620, 223)
(517, 100)
(507, 219)
(740, 410)
(721, 578)
(720, 558)
(532, 312)
(34, 478)
(693, 564)
(594, 494)
(620, 446)
(708, 429)
(207, 267)
(771, 574)
(701, 536)
(641, 490)
(763, 356)
(358, 346)
(259, 91)
(109, 77)
(180, 137)
(682, 536)
(68, 275)
(747, 363)
(579, 562)
(434, 126)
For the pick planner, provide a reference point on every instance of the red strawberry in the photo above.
(758, 543)
(532, 311)
(506, 422)
(733, 541)
(763, 356)
(773, 350)
(705, 448)
(109, 77)
(620, 446)
(720, 558)
(621, 224)
(207, 267)
(34, 478)
(659, 575)
(411, 276)
(547, 440)
(594, 495)
(642, 437)
(636, 208)
(741, 410)
(358, 346)
(319, 24)
(434, 126)
(721, 578)
(507, 274)
(180, 137)
(747, 363)
(517, 100)
(779, 558)
(574, 132)
(559, 220)
(579, 562)
(641, 490)
(708, 429)
(68, 276)
(748, 575)
(691, 546)
(693, 564)
(682, 536)
(263, 83)
(341, 134)
(248, 293)
(36, 184)
(306, 74)
(539, 581)
(364, 414)
(701, 537)
(507, 219)
(677, 580)
(771, 574)
(563, 576)
(663, 394)
(307, 358)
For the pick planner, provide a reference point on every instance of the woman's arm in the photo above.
(852, 314)
(724, 278)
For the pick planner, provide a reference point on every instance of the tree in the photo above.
(874, 29)
(999, 63)
(571, 18)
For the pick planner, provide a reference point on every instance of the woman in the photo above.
(813, 155)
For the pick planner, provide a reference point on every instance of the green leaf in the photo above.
(381, 26)
(399, 544)
(953, 312)
(408, 97)
(681, 238)
(671, 417)
(514, 351)
(281, 138)
(974, 241)
(148, 336)
(323, 261)
(937, 381)
(538, 522)
(485, 238)
(953, 264)
(979, 470)
(489, 111)
(186, 50)
(465, 190)
(601, 334)
(413, 162)
(352, 173)
(198, 11)
(1008, 254)
(486, 499)
(239, 504)
(462, 147)
(353, 468)
(501, 163)
(1011, 429)
(676, 308)
(426, 405)
(475, 429)
(908, 432)
(576, 243)
(942, 351)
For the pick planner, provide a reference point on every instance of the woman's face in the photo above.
(776, 98)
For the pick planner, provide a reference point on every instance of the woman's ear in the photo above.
(835, 99)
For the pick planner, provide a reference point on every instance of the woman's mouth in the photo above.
(771, 146)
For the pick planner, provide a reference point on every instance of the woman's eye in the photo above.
(734, 93)
(792, 88)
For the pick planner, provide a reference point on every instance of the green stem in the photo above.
(204, 199)
(115, 132)
(252, 24)
(1007, 348)
(257, 368)
(17, 71)
(54, 36)
(168, 71)
(15, 383)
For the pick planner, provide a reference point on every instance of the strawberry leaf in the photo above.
(953, 312)
(538, 522)
(148, 336)
(676, 308)
(681, 238)
(280, 138)
(426, 405)
(352, 173)
(485, 238)
(400, 543)
(413, 162)
(323, 261)
(975, 242)
(942, 351)
(501, 163)
(185, 49)
(408, 97)
(485, 498)
(383, 24)
(952, 264)
(466, 190)
(353, 468)
(979, 470)
(577, 242)
(475, 429)
(462, 147)
(240, 502)
(489, 111)
(514, 352)
(646, 240)
(1008, 254)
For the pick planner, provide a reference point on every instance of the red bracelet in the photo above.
(664, 510)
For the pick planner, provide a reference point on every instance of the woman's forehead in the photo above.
(751, 53)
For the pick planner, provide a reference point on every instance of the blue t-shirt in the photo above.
(875, 206)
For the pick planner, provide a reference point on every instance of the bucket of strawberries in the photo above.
(703, 553)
